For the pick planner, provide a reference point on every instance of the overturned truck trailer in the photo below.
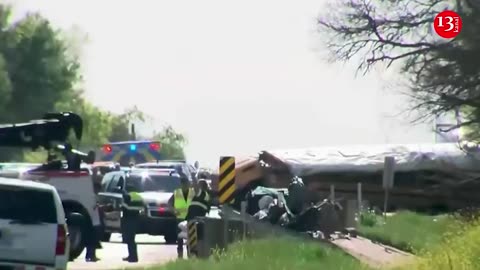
(428, 176)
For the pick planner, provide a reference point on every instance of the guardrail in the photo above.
(207, 234)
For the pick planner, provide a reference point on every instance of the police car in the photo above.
(155, 187)
(180, 166)
(129, 152)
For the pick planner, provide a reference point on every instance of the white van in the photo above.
(33, 229)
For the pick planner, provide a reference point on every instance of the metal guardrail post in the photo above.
(243, 212)
(192, 239)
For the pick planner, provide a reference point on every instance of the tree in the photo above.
(40, 72)
(121, 124)
(36, 71)
(39, 68)
(441, 75)
(97, 124)
(172, 143)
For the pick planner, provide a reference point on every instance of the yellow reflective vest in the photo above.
(180, 204)
(202, 199)
(136, 202)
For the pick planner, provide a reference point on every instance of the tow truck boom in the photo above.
(47, 132)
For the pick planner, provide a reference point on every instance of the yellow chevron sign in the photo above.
(192, 237)
(226, 182)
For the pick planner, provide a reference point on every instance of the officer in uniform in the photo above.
(201, 203)
(181, 201)
(131, 207)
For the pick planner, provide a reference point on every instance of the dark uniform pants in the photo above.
(91, 243)
(179, 241)
(129, 230)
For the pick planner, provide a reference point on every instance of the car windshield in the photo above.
(141, 183)
(27, 204)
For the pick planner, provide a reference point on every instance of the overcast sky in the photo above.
(236, 77)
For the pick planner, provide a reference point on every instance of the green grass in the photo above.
(406, 230)
(271, 254)
(460, 249)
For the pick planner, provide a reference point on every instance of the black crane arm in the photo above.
(48, 132)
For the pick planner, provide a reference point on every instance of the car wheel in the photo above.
(106, 237)
(171, 238)
(76, 233)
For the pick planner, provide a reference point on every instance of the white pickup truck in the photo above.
(73, 184)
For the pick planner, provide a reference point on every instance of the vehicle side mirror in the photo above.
(196, 165)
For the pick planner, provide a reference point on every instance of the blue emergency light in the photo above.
(133, 147)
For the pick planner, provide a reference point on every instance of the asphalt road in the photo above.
(151, 250)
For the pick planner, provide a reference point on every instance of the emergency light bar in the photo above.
(132, 146)
(107, 148)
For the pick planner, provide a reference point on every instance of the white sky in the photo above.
(236, 77)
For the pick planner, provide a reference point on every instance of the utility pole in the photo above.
(134, 137)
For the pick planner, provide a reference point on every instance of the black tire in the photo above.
(77, 231)
(106, 237)
(171, 238)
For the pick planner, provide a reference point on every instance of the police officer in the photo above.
(201, 203)
(181, 200)
(131, 207)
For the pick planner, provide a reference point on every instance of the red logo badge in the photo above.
(447, 24)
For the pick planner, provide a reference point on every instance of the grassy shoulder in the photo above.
(281, 253)
(459, 249)
(408, 231)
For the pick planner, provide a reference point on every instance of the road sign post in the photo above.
(192, 238)
(243, 208)
(226, 191)
(359, 198)
(388, 179)
(226, 182)
(332, 193)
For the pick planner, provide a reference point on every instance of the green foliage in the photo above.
(35, 157)
(38, 67)
(408, 231)
(121, 124)
(460, 249)
(368, 218)
(35, 72)
(97, 123)
(40, 72)
(270, 254)
(172, 143)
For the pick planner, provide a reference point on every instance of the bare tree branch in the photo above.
(442, 75)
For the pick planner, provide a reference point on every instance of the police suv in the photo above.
(155, 187)
(33, 230)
